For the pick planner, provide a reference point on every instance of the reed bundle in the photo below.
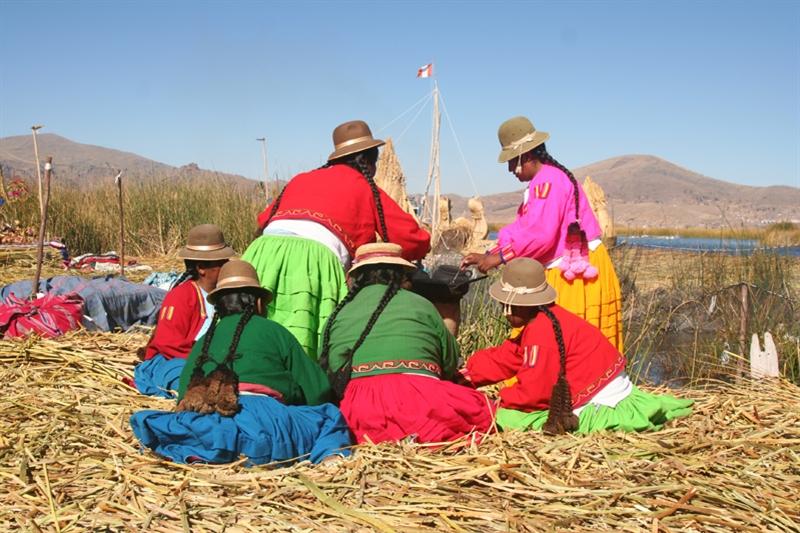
(69, 462)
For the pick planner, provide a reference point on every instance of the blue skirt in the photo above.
(264, 431)
(159, 376)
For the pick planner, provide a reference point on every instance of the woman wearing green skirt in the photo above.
(310, 232)
(560, 374)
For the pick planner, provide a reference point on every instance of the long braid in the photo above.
(195, 397)
(341, 377)
(541, 153)
(364, 162)
(275, 205)
(574, 229)
(246, 316)
(560, 418)
(391, 290)
(324, 357)
(189, 273)
(223, 388)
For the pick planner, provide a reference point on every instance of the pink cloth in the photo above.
(49, 316)
(391, 407)
(540, 229)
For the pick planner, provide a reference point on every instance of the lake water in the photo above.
(699, 244)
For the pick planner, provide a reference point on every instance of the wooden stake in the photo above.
(263, 141)
(34, 129)
(118, 181)
(44, 202)
(742, 330)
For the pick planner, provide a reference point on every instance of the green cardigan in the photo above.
(408, 337)
(268, 355)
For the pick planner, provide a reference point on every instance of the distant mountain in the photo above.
(642, 190)
(646, 191)
(86, 165)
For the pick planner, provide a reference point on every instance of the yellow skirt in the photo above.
(598, 301)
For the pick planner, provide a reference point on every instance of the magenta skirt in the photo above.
(392, 407)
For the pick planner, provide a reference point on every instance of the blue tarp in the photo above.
(110, 303)
(264, 431)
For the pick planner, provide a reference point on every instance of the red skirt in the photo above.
(391, 407)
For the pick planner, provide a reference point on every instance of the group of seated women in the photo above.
(315, 341)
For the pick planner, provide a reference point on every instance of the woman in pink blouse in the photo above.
(555, 225)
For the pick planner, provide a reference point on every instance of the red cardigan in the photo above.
(340, 199)
(592, 362)
(181, 317)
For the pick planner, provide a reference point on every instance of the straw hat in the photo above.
(523, 283)
(352, 137)
(238, 274)
(518, 136)
(206, 243)
(380, 253)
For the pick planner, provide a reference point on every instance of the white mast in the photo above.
(433, 169)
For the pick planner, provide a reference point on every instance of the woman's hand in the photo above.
(483, 262)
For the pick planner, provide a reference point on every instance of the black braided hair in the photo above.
(560, 418)
(393, 277)
(198, 373)
(246, 316)
(274, 209)
(541, 154)
(226, 304)
(364, 162)
(190, 273)
(324, 357)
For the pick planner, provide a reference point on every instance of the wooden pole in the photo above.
(34, 129)
(263, 141)
(118, 181)
(48, 170)
(742, 330)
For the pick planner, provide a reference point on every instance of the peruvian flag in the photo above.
(425, 71)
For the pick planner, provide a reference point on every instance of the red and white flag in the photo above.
(425, 71)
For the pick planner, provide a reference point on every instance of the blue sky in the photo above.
(712, 86)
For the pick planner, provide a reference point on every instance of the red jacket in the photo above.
(592, 362)
(181, 317)
(340, 199)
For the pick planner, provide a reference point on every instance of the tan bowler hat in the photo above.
(238, 274)
(206, 243)
(351, 137)
(380, 253)
(518, 136)
(523, 283)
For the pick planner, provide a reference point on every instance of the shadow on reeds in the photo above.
(682, 313)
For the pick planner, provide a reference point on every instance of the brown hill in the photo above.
(646, 191)
(642, 190)
(87, 165)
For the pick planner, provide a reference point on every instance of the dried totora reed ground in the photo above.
(69, 462)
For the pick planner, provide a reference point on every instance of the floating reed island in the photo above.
(69, 462)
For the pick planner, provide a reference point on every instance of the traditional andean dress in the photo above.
(284, 410)
(304, 251)
(603, 396)
(402, 380)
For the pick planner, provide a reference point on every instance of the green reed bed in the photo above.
(158, 213)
